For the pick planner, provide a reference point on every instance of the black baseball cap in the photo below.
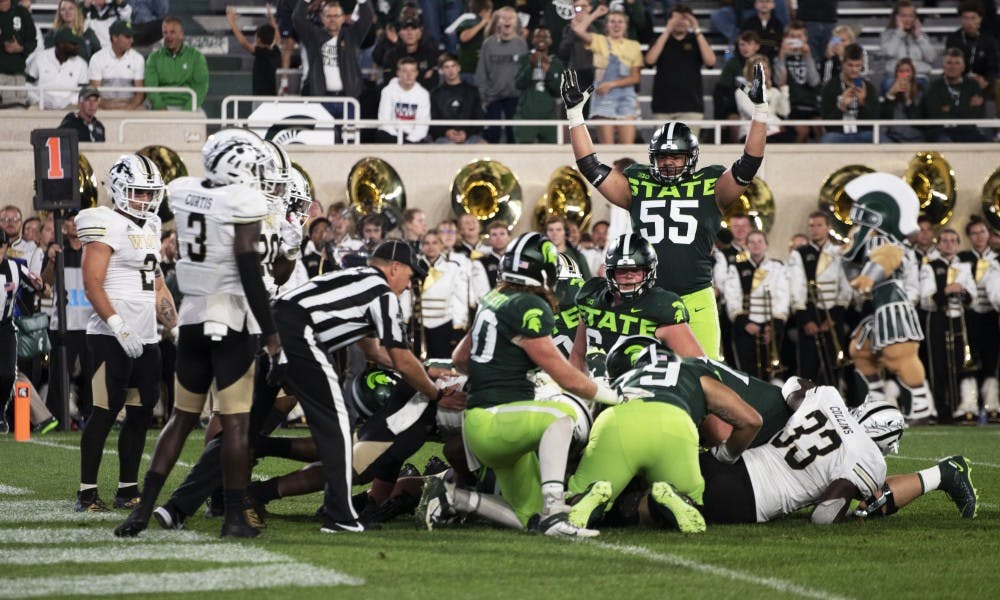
(401, 252)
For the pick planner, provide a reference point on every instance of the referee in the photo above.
(12, 274)
(326, 314)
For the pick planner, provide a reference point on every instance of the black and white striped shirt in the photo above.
(347, 305)
(12, 273)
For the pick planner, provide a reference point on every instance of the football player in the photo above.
(225, 307)
(123, 282)
(524, 441)
(655, 433)
(625, 302)
(675, 207)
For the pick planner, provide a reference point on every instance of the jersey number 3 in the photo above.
(683, 227)
(801, 453)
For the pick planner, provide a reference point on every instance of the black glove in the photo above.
(757, 87)
(276, 365)
(573, 97)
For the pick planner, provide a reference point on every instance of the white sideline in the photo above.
(48, 511)
(282, 575)
(215, 552)
(54, 535)
(145, 457)
(9, 490)
(779, 585)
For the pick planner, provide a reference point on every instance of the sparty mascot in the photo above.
(885, 212)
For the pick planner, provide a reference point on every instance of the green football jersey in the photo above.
(498, 367)
(681, 222)
(675, 382)
(640, 316)
(764, 397)
(568, 318)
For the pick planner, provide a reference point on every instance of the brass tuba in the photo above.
(171, 167)
(991, 201)
(931, 177)
(565, 196)
(756, 202)
(374, 188)
(833, 200)
(87, 183)
(487, 190)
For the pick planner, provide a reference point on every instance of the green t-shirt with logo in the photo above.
(681, 222)
(498, 367)
(674, 382)
(639, 316)
(568, 318)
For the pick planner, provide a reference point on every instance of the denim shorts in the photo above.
(619, 103)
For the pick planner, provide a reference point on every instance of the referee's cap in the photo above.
(401, 252)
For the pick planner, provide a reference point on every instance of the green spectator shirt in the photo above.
(187, 68)
(681, 222)
(16, 24)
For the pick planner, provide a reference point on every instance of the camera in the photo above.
(795, 43)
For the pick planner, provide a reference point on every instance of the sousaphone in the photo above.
(87, 183)
(375, 188)
(991, 201)
(487, 190)
(566, 196)
(833, 200)
(931, 177)
(756, 202)
(171, 167)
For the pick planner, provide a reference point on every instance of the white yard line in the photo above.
(216, 552)
(779, 585)
(145, 457)
(280, 576)
(9, 490)
(48, 511)
(930, 461)
(54, 535)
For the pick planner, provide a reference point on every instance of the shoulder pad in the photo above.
(592, 290)
(94, 224)
(245, 205)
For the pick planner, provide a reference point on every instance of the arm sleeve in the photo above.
(812, 73)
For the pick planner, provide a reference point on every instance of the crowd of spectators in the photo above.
(510, 56)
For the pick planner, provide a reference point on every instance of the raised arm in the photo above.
(735, 180)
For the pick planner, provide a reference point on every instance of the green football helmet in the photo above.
(673, 137)
(530, 260)
(372, 388)
(634, 351)
(631, 251)
(597, 362)
(884, 205)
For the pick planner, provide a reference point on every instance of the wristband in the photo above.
(760, 113)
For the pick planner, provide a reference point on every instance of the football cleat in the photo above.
(47, 425)
(239, 524)
(168, 517)
(688, 518)
(90, 503)
(559, 525)
(956, 481)
(126, 503)
(593, 500)
(134, 524)
(434, 466)
(338, 527)
(436, 504)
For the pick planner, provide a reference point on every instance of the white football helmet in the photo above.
(234, 156)
(299, 197)
(276, 174)
(883, 423)
(135, 186)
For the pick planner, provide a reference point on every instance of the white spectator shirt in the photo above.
(331, 66)
(397, 104)
(130, 281)
(48, 72)
(109, 70)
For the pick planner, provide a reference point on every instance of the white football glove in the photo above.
(723, 455)
(606, 395)
(291, 238)
(129, 341)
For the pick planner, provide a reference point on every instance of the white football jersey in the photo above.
(131, 277)
(821, 443)
(207, 274)
(270, 241)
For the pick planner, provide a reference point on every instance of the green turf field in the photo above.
(926, 551)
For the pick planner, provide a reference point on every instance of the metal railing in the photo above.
(233, 102)
(42, 89)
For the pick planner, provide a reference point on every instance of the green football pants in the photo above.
(704, 315)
